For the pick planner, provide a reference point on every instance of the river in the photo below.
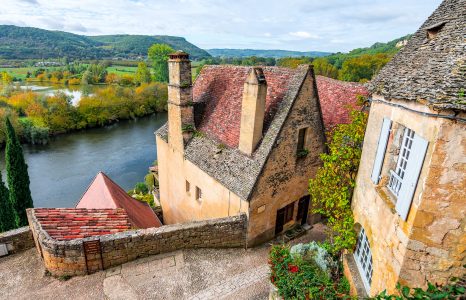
(61, 171)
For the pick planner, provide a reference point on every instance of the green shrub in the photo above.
(141, 188)
(455, 290)
(306, 271)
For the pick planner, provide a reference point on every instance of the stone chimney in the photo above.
(252, 110)
(180, 107)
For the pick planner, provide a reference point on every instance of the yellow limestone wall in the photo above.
(180, 206)
(285, 177)
(430, 245)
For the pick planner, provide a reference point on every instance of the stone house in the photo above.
(241, 139)
(409, 202)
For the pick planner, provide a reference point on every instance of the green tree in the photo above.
(142, 74)
(364, 67)
(332, 188)
(158, 53)
(17, 175)
(324, 68)
(8, 219)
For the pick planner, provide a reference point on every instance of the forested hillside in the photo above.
(263, 53)
(34, 43)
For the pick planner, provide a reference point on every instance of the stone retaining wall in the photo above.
(17, 240)
(88, 255)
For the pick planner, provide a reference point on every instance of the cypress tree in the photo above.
(7, 213)
(17, 175)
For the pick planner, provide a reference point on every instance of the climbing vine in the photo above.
(332, 188)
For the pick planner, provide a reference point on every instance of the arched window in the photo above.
(363, 257)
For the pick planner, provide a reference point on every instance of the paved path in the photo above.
(228, 274)
(233, 284)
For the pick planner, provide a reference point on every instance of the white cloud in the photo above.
(294, 25)
(304, 35)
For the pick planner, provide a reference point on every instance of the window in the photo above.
(363, 257)
(198, 193)
(188, 186)
(403, 180)
(289, 209)
(433, 30)
(301, 139)
(396, 178)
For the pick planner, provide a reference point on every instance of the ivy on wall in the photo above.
(332, 188)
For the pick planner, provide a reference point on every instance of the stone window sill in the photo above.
(352, 274)
(386, 197)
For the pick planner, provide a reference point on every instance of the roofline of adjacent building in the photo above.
(426, 114)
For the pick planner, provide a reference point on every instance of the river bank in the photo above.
(36, 117)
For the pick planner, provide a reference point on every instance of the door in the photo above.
(303, 209)
(280, 221)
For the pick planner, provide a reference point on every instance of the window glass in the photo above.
(301, 138)
(363, 257)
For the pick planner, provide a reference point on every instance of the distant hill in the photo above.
(34, 43)
(390, 48)
(263, 53)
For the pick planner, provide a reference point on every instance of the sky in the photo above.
(302, 25)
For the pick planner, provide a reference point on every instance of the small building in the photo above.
(104, 193)
(241, 139)
(409, 202)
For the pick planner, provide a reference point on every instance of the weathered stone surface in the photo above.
(69, 257)
(17, 240)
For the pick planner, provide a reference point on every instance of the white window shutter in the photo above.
(413, 169)
(381, 148)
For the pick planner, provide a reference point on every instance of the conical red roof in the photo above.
(105, 193)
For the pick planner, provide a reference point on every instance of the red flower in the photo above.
(293, 269)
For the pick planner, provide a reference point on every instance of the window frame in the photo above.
(198, 193)
(289, 212)
(397, 176)
(187, 186)
(364, 260)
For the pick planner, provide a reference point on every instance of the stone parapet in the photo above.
(17, 240)
(88, 255)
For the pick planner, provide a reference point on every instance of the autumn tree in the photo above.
(293, 62)
(142, 74)
(158, 53)
(8, 219)
(324, 68)
(17, 175)
(364, 67)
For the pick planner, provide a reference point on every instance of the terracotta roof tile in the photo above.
(221, 89)
(335, 96)
(76, 223)
(105, 193)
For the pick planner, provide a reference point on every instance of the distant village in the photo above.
(234, 165)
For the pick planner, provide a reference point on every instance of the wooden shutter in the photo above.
(381, 148)
(413, 169)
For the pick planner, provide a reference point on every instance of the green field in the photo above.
(20, 73)
(122, 70)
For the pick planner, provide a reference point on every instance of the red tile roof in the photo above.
(105, 193)
(335, 96)
(76, 223)
(221, 89)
